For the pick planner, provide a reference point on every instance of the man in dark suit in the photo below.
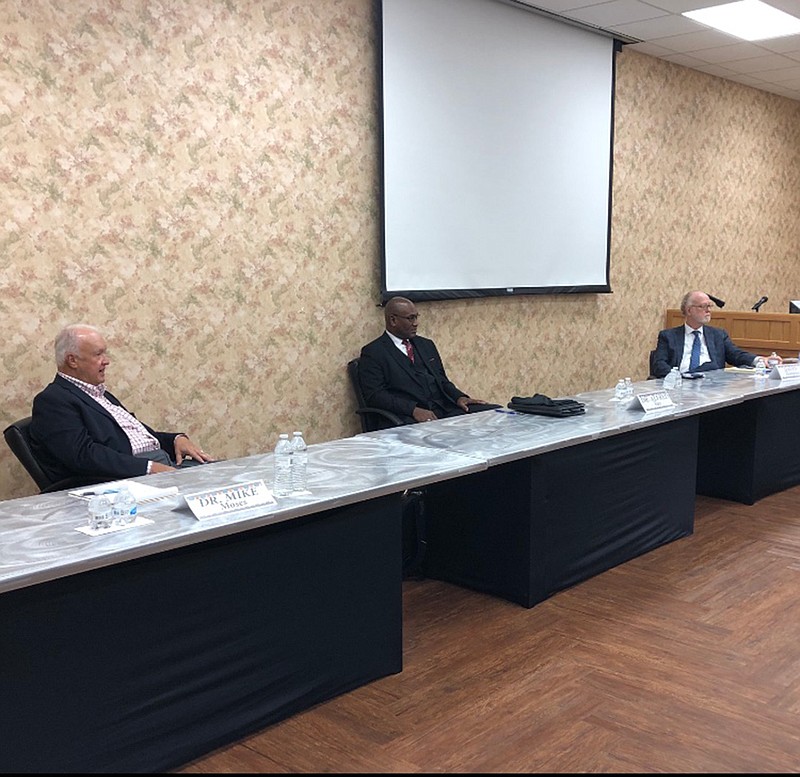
(78, 428)
(403, 372)
(715, 348)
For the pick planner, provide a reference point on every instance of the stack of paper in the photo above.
(144, 494)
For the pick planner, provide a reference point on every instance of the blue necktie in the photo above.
(694, 359)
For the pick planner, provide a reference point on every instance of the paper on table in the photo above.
(144, 494)
(115, 527)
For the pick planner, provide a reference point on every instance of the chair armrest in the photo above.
(387, 414)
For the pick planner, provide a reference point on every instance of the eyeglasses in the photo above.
(413, 317)
(702, 307)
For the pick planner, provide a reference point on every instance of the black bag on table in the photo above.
(540, 404)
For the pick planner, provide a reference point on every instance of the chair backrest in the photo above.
(352, 372)
(652, 363)
(372, 418)
(18, 438)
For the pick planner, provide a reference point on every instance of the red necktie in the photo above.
(409, 349)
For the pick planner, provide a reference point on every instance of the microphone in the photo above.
(720, 303)
(759, 304)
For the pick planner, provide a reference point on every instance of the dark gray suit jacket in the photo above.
(389, 380)
(721, 350)
(72, 434)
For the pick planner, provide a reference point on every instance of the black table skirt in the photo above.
(145, 665)
(527, 529)
(750, 450)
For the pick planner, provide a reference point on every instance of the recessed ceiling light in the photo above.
(747, 19)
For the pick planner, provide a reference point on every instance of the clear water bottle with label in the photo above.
(619, 390)
(282, 483)
(299, 463)
(99, 512)
(761, 367)
(123, 506)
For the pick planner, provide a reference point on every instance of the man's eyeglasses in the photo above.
(703, 307)
(413, 317)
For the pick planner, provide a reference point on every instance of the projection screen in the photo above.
(497, 138)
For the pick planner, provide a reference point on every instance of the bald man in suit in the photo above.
(716, 347)
(80, 429)
(403, 373)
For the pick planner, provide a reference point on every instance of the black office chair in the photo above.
(18, 438)
(413, 501)
(372, 418)
(652, 364)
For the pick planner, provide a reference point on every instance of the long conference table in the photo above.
(141, 650)
(563, 499)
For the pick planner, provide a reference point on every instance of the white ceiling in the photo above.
(660, 31)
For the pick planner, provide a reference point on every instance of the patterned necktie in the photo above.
(694, 359)
(409, 349)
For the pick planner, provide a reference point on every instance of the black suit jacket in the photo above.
(389, 380)
(721, 350)
(73, 435)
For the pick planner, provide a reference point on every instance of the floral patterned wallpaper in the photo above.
(199, 178)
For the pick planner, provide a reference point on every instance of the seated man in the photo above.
(78, 428)
(713, 349)
(403, 373)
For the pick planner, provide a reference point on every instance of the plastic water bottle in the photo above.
(299, 463)
(672, 379)
(761, 367)
(282, 484)
(123, 506)
(628, 388)
(619, 391)
(99, 512)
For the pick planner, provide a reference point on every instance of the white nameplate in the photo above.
(229, 499)
(651, 400)
(785, 371)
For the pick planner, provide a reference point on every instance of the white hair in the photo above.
(68, 340)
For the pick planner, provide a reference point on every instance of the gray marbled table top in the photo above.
(500, 436)
(39, 537)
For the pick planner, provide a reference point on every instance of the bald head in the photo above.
(81, 353)
(401, 317)
(696, 307)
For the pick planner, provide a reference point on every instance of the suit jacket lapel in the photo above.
(681, 339)
(399, 358)
(90, 401)
(715, 353)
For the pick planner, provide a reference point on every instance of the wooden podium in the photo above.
(760, 333)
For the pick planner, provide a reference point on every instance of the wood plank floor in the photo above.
(686, 659)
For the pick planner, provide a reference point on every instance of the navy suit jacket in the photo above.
(389, 380)
(73, 435)
(721, 350)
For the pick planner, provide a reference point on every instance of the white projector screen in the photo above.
(497, 150)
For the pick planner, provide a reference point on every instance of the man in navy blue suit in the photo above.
(403, 373)
(79, 428)
(716, 349)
